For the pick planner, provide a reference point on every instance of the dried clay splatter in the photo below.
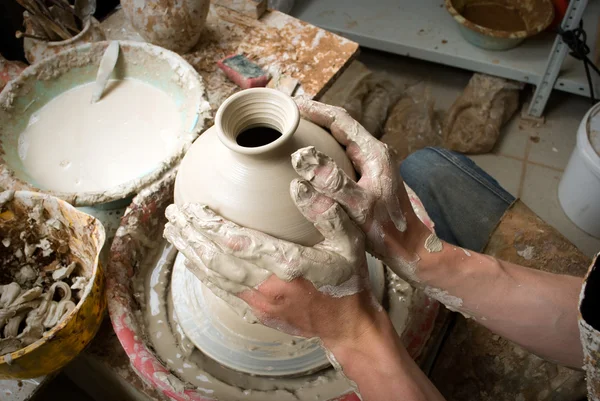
(433, 244)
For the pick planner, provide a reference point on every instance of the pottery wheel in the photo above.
(214, 328)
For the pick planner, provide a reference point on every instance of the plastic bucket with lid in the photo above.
(579, 188)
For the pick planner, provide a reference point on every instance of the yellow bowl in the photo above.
(85, 237)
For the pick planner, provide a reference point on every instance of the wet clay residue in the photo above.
(40, 280)
(495, 16)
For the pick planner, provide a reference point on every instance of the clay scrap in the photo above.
(413, 122)
(403, 115)
(40, 282)
(366, 96)
(473, 122)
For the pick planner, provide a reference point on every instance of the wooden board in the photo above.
(280, 44)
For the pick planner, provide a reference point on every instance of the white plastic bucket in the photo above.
(579, 188)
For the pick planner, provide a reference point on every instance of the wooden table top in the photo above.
(277, 42)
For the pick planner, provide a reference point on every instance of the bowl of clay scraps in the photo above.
(52, 297)
(54, 139)
(500, 24)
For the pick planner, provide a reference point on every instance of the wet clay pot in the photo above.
(172, 24)
(250, 186)
(35, 50)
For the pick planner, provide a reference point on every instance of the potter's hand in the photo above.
(290, 287)
(378, 202)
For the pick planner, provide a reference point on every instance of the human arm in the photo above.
(534, 309)
(290, 297)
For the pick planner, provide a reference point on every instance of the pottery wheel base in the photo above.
(216, 330)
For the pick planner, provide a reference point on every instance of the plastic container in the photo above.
(579, 188)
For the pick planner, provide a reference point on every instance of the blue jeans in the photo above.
(463, 201)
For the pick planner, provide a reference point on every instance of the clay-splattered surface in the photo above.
(277, 42)
(107, 361)
(22, 390)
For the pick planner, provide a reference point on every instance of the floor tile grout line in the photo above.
(560, 170)
(510, 157)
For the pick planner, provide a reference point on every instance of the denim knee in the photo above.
(425, 169)
(464, 202)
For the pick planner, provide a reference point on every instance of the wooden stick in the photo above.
(48, 14)
(71, 25)
(20, 35)
(42, 14)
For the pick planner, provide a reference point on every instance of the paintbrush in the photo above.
(107, 65)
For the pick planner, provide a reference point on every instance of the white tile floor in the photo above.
(529, 158)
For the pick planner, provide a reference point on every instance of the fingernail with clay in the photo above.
(304, 161)
(302, 191)
(174, 237)
(174, 215)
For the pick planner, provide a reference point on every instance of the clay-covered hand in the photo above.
(290, 287)
(378, 202)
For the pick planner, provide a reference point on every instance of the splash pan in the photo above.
(141, 308)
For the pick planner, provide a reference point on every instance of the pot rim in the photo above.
(282, 106)
(87, 25)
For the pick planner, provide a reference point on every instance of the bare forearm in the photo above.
(535, 309)
(382, 368)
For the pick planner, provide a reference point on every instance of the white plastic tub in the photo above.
(579, 188)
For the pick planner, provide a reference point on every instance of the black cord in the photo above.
(576, 40)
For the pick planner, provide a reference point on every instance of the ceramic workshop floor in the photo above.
(529, 158)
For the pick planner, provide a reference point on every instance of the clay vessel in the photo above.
(250, 185)
(172, 24)
(35, 50)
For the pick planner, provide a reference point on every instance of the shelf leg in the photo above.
(555, 59)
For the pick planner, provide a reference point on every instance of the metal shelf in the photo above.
(424, 30)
